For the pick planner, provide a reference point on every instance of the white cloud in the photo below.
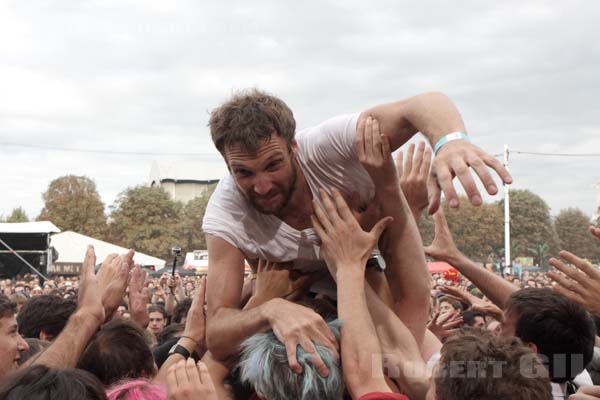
(139, 75)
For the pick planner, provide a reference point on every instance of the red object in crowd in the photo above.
(445, 269)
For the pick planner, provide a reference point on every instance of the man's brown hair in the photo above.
(478, 365)
(561, 329)
(118, 351)
(250, 117)
(453, 302)
(7, 307)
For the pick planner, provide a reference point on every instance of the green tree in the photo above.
(191, 221)
(17, 215)
(72, 203)
(531, 225)
(571, 225)
(147, 220)
(478, 231)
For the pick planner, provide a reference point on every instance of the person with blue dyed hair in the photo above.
(264, 365)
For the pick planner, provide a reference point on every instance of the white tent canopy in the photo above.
(28, 227)
(71, 247)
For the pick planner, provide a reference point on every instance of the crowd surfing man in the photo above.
(262, 209)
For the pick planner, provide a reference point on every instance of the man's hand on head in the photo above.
(296, 325)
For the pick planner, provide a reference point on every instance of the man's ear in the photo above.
(294, 146)
(532, 346)
(44, 336)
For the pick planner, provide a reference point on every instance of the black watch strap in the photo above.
(179, 349)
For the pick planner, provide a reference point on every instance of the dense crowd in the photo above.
(388, 330)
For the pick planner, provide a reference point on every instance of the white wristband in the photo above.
(448, 138)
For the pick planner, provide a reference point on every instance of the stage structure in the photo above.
(25, 248)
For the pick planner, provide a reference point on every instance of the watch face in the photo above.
(179, 349)
(380, 261)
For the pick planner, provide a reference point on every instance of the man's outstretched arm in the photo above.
(435, 115)
(81, 326)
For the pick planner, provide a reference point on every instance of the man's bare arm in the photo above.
(400, 350)
(434, 115)
(227, 326)
(493, 286)
(81, 326)
(345, 248)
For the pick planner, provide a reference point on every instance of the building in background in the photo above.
(184, 180)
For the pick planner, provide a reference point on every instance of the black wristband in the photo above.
(179, 349)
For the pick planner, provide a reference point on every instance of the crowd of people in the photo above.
(363, 327)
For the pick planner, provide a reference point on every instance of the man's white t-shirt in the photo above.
(559, 390)
(327, 158)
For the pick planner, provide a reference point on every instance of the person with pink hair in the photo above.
(137, 389)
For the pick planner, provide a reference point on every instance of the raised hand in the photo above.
(414, 174)
(163, 279)
(595, 231)
(195, 323)
(474, 302)
(580, 283)
(343, 242)
(442, 248)
(456, 159)
(138, 297)
(113, 278)
(187, 380)
(90, 294)
(445, 325)
(374, 153)
(82, 324)
(273, 280)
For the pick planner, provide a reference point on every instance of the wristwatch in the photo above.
(179, 349)
(376, 261)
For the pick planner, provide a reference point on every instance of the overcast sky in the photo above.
(140, 76)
